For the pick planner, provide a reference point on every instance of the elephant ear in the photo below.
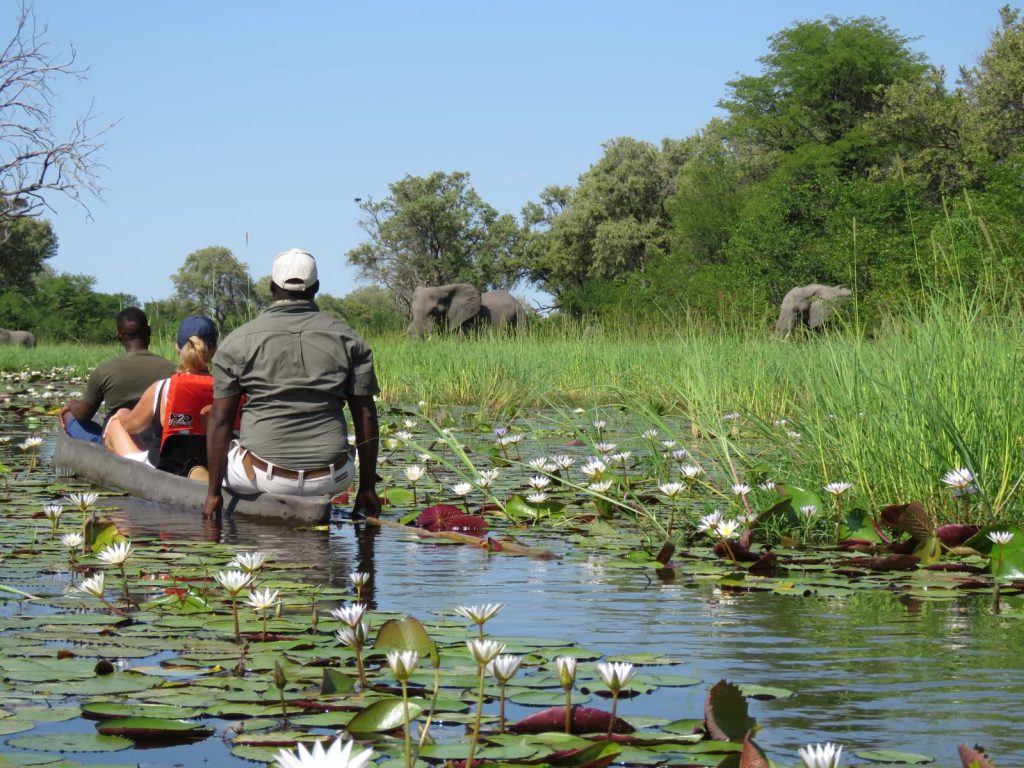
(463, 306)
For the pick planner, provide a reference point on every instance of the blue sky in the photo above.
(254, 125)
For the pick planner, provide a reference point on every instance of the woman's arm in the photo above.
(141, 416)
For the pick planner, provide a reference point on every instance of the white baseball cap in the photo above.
(294, 270)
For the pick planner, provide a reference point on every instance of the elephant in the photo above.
(808, 306)
(461, 307)
(21, 338)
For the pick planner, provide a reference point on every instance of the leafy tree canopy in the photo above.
(612, 223)
(25, 244)
(213, 282)
(435, 230)
(819, 80)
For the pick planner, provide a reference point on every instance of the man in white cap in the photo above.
(296, 367)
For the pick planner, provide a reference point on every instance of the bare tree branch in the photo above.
(35, 160)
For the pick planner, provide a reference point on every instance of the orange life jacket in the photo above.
(187, 395)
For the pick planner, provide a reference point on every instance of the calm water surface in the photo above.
(872, 670)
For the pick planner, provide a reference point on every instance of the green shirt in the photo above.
(297, 367)
(121, 381)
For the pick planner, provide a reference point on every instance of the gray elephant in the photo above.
(461, 307)
(20, 338)
(808, 306)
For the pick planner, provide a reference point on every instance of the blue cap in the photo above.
(200, 326)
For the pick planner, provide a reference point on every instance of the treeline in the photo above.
(847, 159)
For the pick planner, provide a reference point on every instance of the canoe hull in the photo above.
(98, 465)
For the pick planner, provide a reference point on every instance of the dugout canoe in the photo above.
(98, 465)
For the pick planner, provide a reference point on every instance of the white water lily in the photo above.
(563, 461)
(600, 424)
(670, 444)
(649, 434)
(403, 434)
(539, 482)
(479, 614)
(503, 668)
(71, 540)
(809, 510)
(338, 755)
(727, 529)
(679, 455)
(233, 582)
(594, 469)
(536, 498)
(115, 554)
(462, 489)
(767, 485)
(838, 489)
(93, 585)
(566, 671)
(486, 477)
(672, 490)
(52, 512)
(602, 486)
(616, 674)
(958, 478)
(249, 562)
(538, 463)
(350, 614)
(353, 637)
(358, 578)
(516, 437)
(415, 473)
(484, 651)
(618, 459)
(709, 522)
(262, 599)
(740, 489)
(31, 442)
(605, 448)
(821, 755)
(403, 663)
(691, 471)
(1000, 537)
(83, 500)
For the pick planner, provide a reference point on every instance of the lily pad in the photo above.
(71, 742)
(892, 756)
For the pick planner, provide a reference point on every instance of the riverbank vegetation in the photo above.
(848, 159)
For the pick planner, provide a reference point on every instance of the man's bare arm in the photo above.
(219, 427)
(80, 409)
(364, 421)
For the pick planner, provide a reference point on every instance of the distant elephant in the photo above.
(808, 306)
(461, 307)
(22, 338)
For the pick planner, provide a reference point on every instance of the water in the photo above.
(870, 670)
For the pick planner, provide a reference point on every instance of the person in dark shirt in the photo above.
(119, 382)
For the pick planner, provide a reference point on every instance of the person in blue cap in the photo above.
(167, 428)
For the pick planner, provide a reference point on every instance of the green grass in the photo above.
(891, 414)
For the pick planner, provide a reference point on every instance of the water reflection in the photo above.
(871, 669)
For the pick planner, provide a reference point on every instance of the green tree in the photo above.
(369, 310)
(995, 85)
(435, 230)
(26, 245)
(819, 81)
(611, 224)
(64, 307)
(932, 133)
(213, 282)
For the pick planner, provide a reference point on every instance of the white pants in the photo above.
(237, 479)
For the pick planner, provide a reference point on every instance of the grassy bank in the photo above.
(891, 414)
